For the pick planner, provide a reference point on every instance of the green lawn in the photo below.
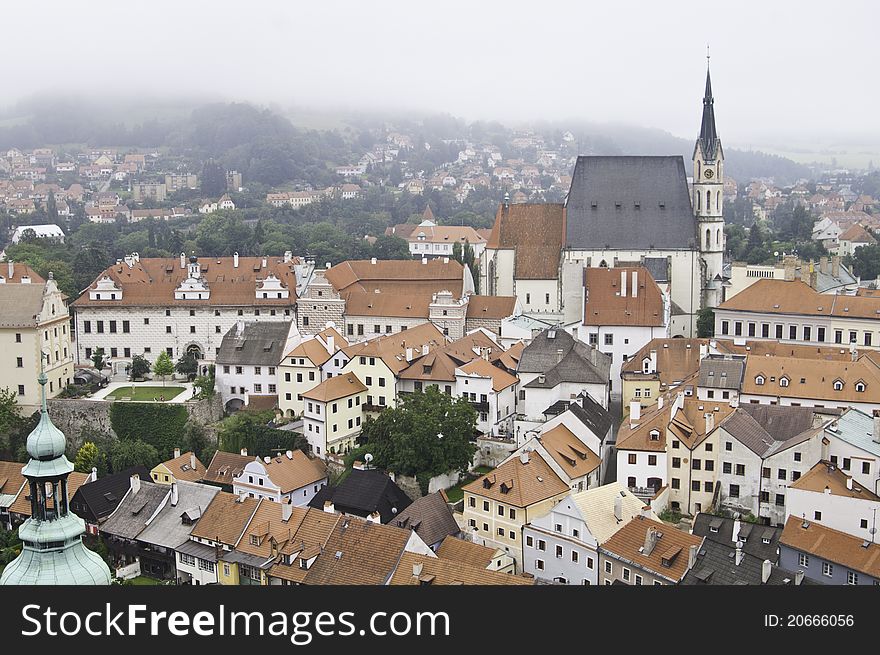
(145, 394)
(455, 493)
(143, 580)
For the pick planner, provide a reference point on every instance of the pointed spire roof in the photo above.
(428, 215)
(708, 139)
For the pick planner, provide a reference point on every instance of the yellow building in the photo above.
(306, 366)
(334, 414)
(184, 466)
(34, 333)
(659, 366)
(498, 504)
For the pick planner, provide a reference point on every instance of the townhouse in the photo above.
(854, 446)
(95, 501)
(431, 518)
(366, 493)
(417, 569)
(334, 413)
(427, 239)
(225, 467)
(182, 466)
(492, 392)
(437, 367)
(314, 360)
(660, 365)
(467, 552)
(587, 421)
(828, 556)
(292, 478)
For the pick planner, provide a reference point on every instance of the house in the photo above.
(586, 420)
(367, 493)
(828, 556)
(853, 238)
(467, 552)
(142, 306)
(218, 530)
(310, 531)
(828, 496)
(555, 366)
(496, 390)
(247, 362)
(499, 503)
(431, 518)
(333, 414)
(854, 446)
(728, 564)
(416, 569)
(258, 548)
(314, 360)
(13, 483)
(431, 240)
(95, 501)
(647, 552)
(34, 335)
(49, 231)
(155, 191)
(720, 377)
(660, 365)
(289, 478)
(624, 309)
(185, 466)
(562, 545)
(225, 467)
(829, 277)
(225, 202)
(759, 541)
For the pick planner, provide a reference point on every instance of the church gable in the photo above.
(629, 203)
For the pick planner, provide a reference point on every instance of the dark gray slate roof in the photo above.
(363, 492)
(589, 412)
(259, 344)
(104, 494)
(430, 517)
(716, 565)
(640, 203)
(721, 373)
(130, 518)
(770, 428)
(751, 535)
(577, 362)
(658, 267)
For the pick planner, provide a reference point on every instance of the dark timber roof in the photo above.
(629, 203)
(365, 492)
(104, 494)
(708, 139)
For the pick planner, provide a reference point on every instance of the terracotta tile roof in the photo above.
(687, 424)
(294, 472)
(536, 231)
(11, 479)
(391, 348)
(832, 545)
(779, 349)
(796, 297)
(501, 379)
(466, 552)
(607, 304)
(826, 476)
(570, 453)
(813, 378)
(181, 467)
(439, 364)
(445, 234)
(225, 518)
(669, 557)
(409, 304)
(339, 386)
(509, 359)
(417, 569)
(397, 276)
(676, 360)
(19, 270)
(22, 504)
(310, 538)
(224, 466)
(267, 526)
(491, 307)
(152, 282)
(518, 484)
(314, 349)
(857, 234)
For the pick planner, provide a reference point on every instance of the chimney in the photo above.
(739, 553)
(645, 512)
(409, 354)
(623, 284)
(876, 431)
(710, 422)
(835, 266)
(183, 260)
(692, 556)
(265, 262)
(653, 358)
(176, 453)
(635, 411)
(374, 518)
(135, 483)
(659, 402)
(798, 577)
(737, 526)
(635, 277)
(94, 475)
(329, 507)
(789, 263)
(289, 454)
(244, 452)
(524, 457)
(331, 344)
(446, 260)
(286, 511)
(559, 353)
(10, 270)
(288, 256)
(650, 541)
(618, 508)
(849, 483)
(424, 260)
(425, 349)
(235, 260)
(327, 265)
(814, 279)
(373, 260)
(828, 490)
(766, 570)
(192, 461)
(174, 494)
(823, 265)
(358, 465)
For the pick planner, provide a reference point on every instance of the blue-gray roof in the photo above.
(857, 428)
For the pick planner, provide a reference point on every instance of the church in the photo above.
(621, 211)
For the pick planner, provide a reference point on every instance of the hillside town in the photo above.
(590, 388)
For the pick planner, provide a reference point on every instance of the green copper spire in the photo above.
(52, 549)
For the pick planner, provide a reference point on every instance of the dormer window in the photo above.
(255, 540)
(655, 435)
(860, 386)
(783, 381)
(759, 380)
(838, 385)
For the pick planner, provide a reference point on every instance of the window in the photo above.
(675, 443)
(726, 468)
(126, 327)
(19, 362)
(695, 485)
(752, 329)
(725, 327)
(21, 390)
(167, 329)
(530, 541)
(738, 328)
(607, 567)
(740, 469)
(847, 462)
(676, 462)
(863, 524)
(803, 560)
(765, 330)
(707, 487)
(609, 339)
(676, 483)
(792, 332)
(485, 505)
(512, 514)
(797, 457)
(593, 338)
(559, 552)
(542, 545)
(696, 465)
(852, 578)
(558, 527)
(866, 468)
(192, 329)
(709, 465)
(827, 569)
(808, 333)
(638, 580)
(574, 556)
(539, 564)
(652, 460)
(632, 458)
(189, 560)
(734, 491)
(780, 500)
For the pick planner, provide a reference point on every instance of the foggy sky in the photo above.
(800, 69)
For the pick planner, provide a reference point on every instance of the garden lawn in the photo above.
(145, 394)
(454, 494)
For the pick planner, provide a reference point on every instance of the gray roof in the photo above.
(768, 429)
(167, 528)
(20, 304)
(131, 515)
(719, 373)
(630, 203)
(658, 267)
(720, 529)
(577, 362)
(596, 418)
(716, 565)
(430, 517)
(194, 548)
(857, 428)
(259, 344)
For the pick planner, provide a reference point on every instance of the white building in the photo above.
(48, 231)
(289, 478)
(492, 391)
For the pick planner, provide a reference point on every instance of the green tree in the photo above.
(251, 430)
(10, 546)
(865, 261)
(427, 434)
(98, 359)
(11, 421)
(205, 383)
(88, 457)
(195, 438)
(213, 179)
(132, 452)
(140, 367)
(163, 366)
(187, 365)
(51, 208)
(706, 323)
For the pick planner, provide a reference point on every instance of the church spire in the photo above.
(708, 134)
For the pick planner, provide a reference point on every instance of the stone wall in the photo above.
(491, 452)
(71, 415)
(410, 485)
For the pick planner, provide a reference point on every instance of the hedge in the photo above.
(160, 425)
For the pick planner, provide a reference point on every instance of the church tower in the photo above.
(52, 550)
(708, 200)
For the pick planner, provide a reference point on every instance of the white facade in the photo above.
(239, 382)
(495, 409)
(254, 481)
(620, 342)
(640, 469)
(855, 516)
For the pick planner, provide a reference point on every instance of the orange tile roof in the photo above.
(339, 386)
(294, 472)
(832, 545)
(606, 304)
(669, 558)
(418, 569)
(314, 350)
(518, 484)
(826, 476)
(11, 479)
(225, 518)
(396, 276)
(569, 452)
(491, 307)
(501, 379)
(813, 378)
(19, 270)
(22, 503)
(224, 466)
(797, 297)
(536, 231)
(391, 348)
(466, 552)
(181, 467)
(676, 359)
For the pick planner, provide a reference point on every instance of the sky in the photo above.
(780, 69)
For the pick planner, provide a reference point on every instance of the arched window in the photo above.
(759, 380)
(718, 200)
(783, 382)
(838, 385)
(708, 201)
(603, 264)
(718, 237)
(708, 239)
(860, 386)
(698, 201)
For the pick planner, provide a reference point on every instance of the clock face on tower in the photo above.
(709, 173)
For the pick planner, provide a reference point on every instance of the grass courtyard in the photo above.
(455, 493)
(145, 394)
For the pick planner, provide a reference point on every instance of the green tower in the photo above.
(52, 549)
